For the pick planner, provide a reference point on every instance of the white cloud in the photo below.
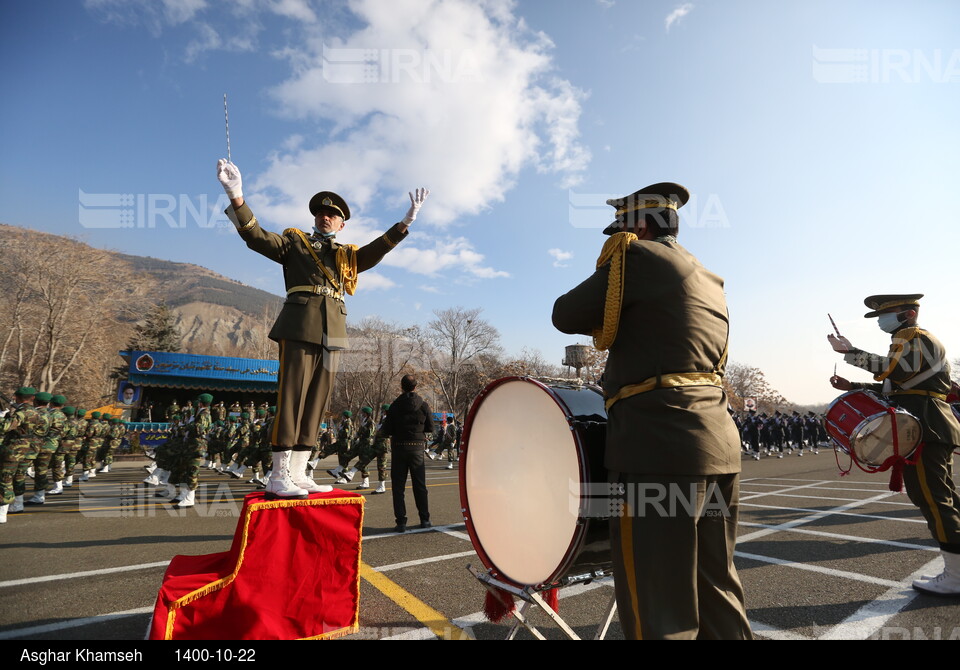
(606, 4)
(371, 281)
(455, 95)
(559, 256)
(678, 14)
(298, 10)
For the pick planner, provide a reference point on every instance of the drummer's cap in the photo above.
(657, 204)
(881, 303)
(330, 200)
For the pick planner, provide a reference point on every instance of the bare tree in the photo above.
(65, 295)
(380, 353)
(742, 381)
(459, 351)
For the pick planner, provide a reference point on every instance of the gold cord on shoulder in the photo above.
(614, 251)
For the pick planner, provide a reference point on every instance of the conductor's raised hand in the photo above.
(417, 199)
(230, 179)
(840, 344)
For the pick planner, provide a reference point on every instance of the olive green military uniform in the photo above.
(668, 434)
(312, 326)
(915, 375)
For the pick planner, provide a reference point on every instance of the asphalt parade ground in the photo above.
(820, 556)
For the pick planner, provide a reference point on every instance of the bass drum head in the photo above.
(522, 481)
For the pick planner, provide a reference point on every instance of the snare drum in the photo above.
(860, 423)
(528, 455)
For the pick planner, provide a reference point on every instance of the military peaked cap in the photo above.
(331, 200)
(879, 303)
(656, 198)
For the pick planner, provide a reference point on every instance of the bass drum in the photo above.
(531, 459)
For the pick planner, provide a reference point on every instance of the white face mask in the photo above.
(888, 322)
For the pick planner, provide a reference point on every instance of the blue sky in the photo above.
(819, 140)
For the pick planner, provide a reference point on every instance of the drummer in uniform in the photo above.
(915, 376)
(663, 317)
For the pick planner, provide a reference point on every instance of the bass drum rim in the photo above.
(580, 530)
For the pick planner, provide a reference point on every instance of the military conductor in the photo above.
(671, 445)
(311, 330)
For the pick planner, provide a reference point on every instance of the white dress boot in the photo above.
(68, 482)
(152, 480)
(336, 472)
(39, 498)
(280, 484)
(365, 484)
(348, 475)
(3, 513)
(57, 489)
(237, 471)
(382, 488)
(186, 497)
(298, 473)
(947, 583)
(16, 505)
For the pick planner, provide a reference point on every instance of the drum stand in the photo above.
(532, 598)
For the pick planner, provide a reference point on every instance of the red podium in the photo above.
(292, 572)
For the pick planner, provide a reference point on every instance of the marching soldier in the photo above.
(26, 426)
(50, 445)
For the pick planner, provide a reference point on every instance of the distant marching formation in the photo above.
(774, 435)
(46, 439)
(231, 442)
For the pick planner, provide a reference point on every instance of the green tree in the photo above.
(158, 332)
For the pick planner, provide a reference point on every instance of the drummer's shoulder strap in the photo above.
(897, 347)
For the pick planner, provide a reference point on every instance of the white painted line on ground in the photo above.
(874, 615)
(822, 481)
(422, 561)
(768, 530)
(87, 573)
(772, 633)
(16, 633)
(875, 517)
(780, 491)
(411, 531)
(843, 574)
(777, 494)
(457, 534)
(821, 488)
(840, 536)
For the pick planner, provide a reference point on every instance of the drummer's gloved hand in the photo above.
(416, 202)
(229, 176)
(840, 344)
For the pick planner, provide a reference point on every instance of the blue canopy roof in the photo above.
(166, 369)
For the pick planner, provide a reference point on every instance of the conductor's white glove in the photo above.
(229, 176)
(416, 202)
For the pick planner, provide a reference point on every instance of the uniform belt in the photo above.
(666, 381)
(932, 394)
(317, 290)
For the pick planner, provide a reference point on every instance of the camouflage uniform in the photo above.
(363, 444)
(195, 446)
(27, 427)
(345, 441)
(49, 447)
(70, 441)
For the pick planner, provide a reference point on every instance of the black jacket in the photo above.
(408, 419)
